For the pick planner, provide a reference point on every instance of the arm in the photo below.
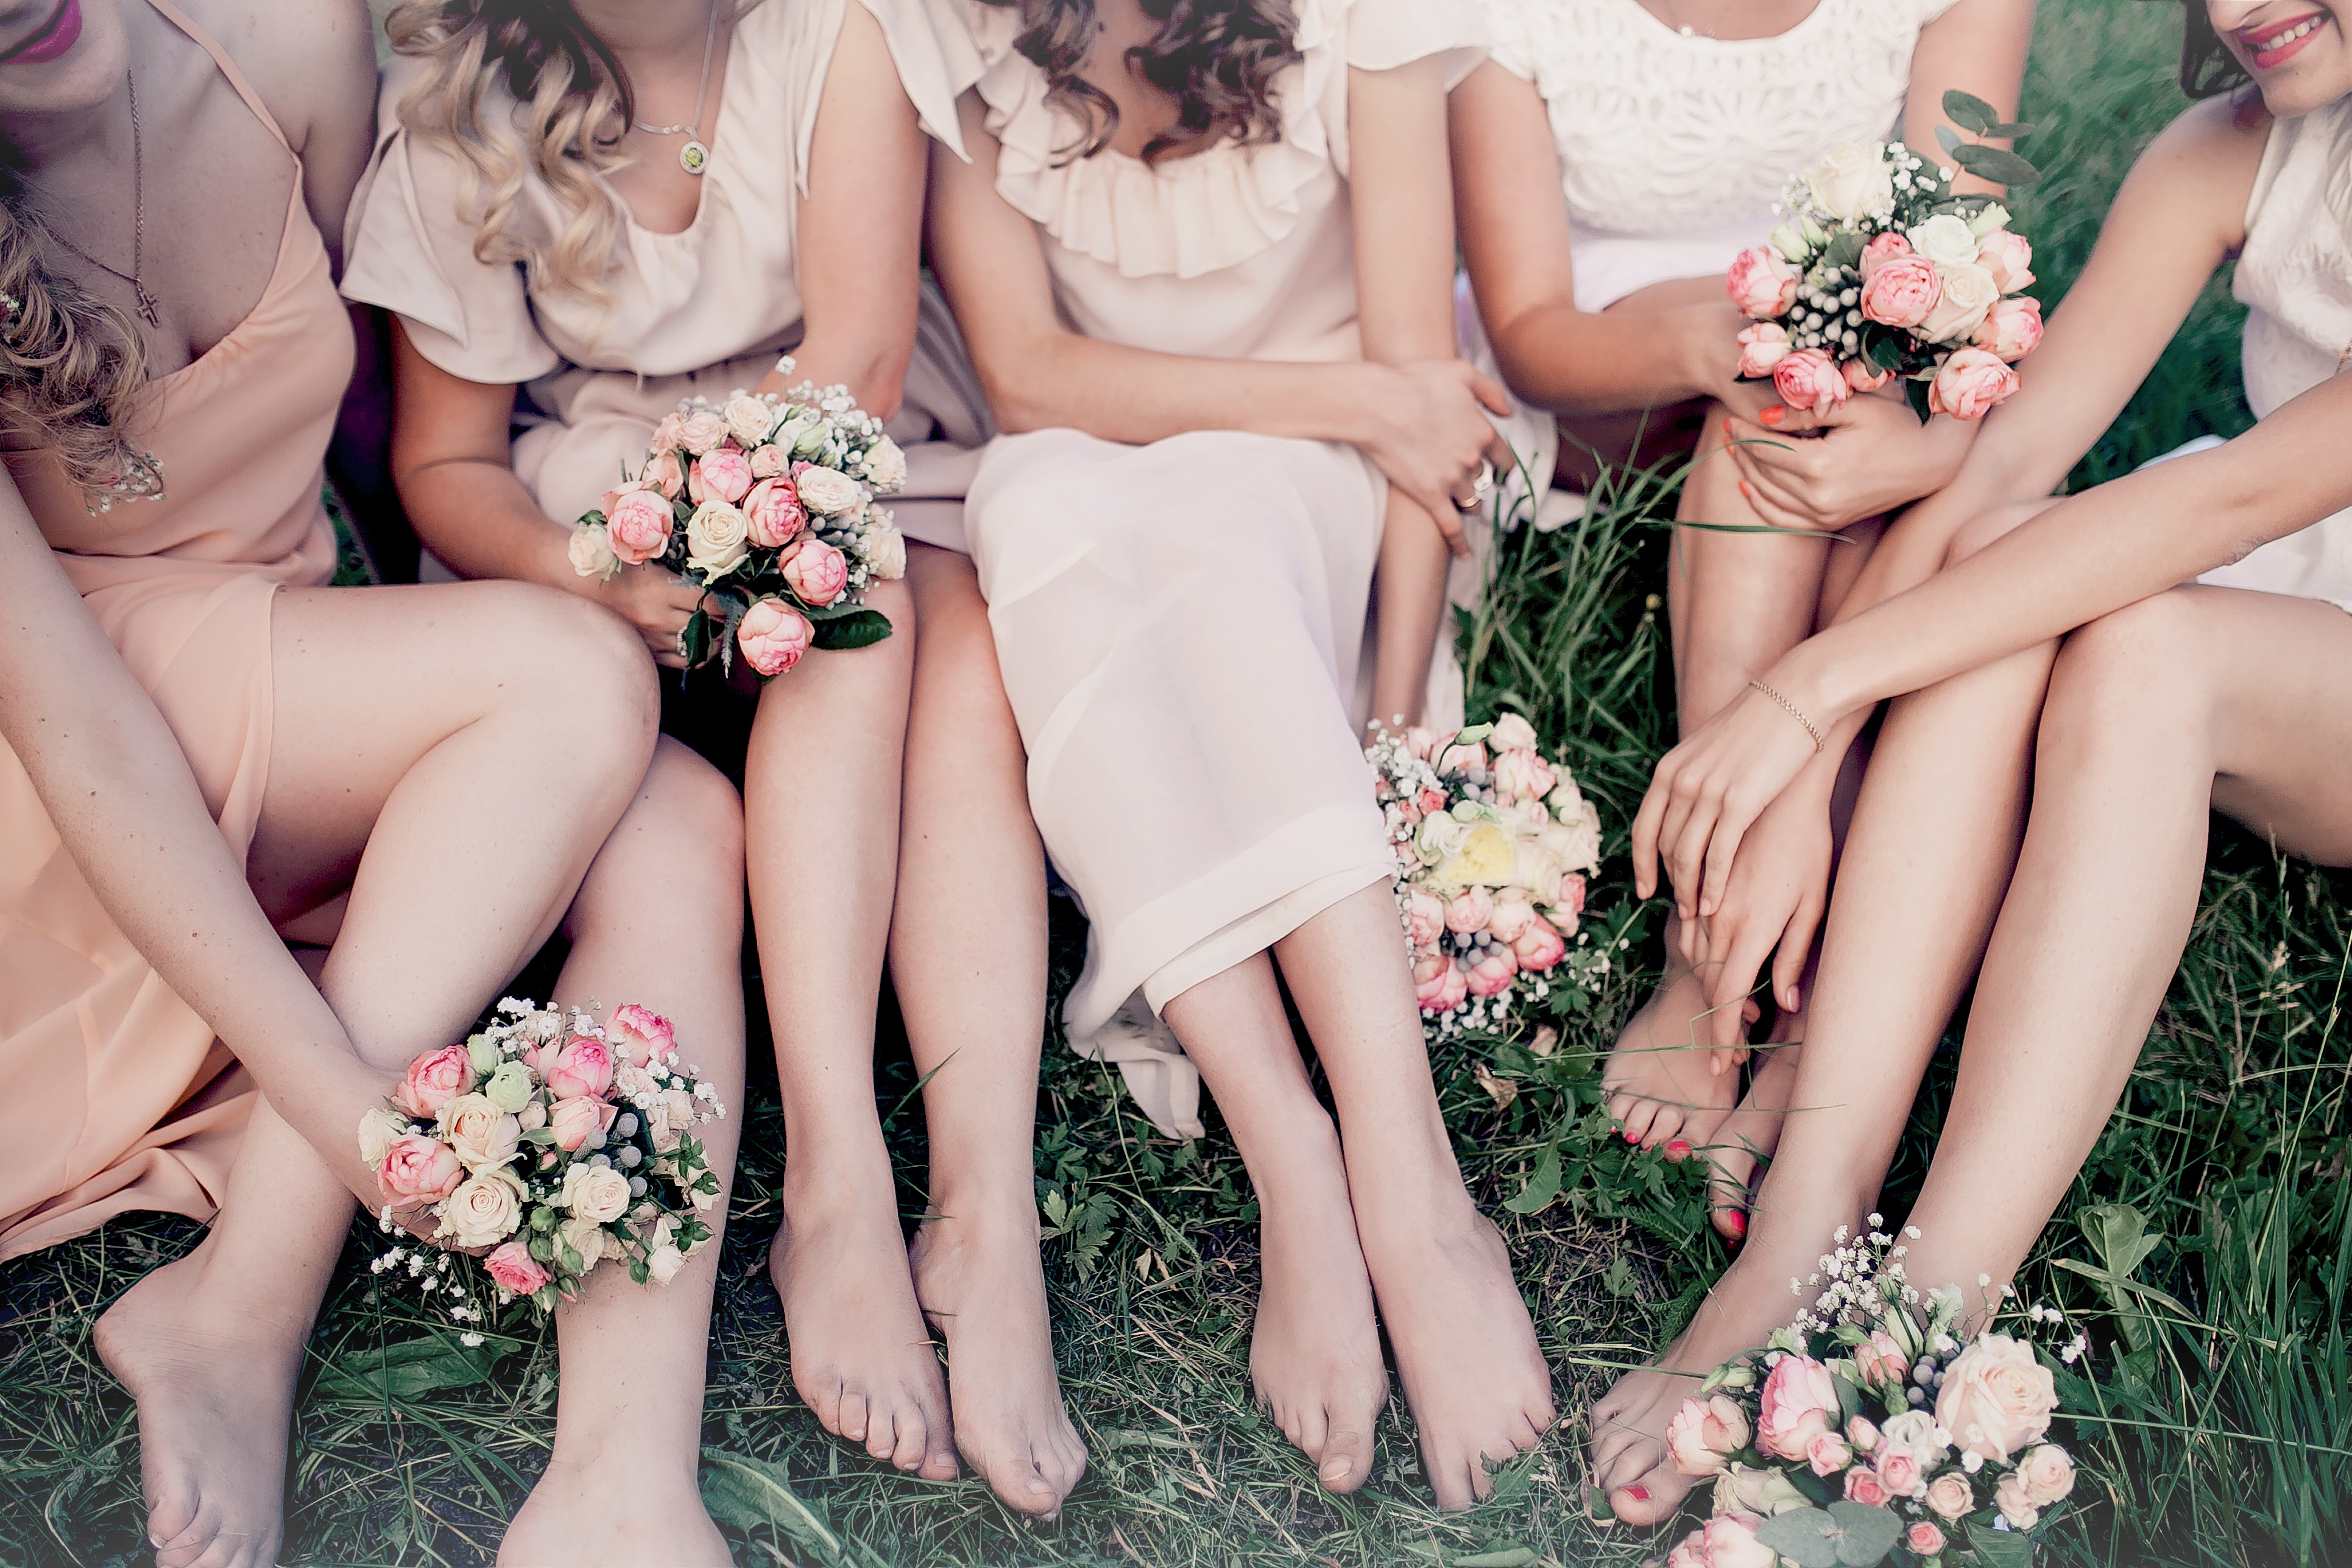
(314, 65)
(1979, 47)
(1421, 424)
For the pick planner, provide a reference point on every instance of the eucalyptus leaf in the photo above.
(1501, 1557)
(1844, 249)
(1999, 1548)
(1949, 140)
(1867, 1532)
(1971, 112)
(1805, 1536)
(2009, 132)
(2002, 168)
(1917, 390)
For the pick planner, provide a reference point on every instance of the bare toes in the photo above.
(1347, 1461)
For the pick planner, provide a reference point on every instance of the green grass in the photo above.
(2221, 1381)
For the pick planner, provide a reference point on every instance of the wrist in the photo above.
(1360, 419)
(1708, 353)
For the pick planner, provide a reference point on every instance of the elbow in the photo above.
(1020, 384)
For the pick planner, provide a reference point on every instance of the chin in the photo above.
(87, 74)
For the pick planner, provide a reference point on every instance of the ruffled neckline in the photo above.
(1203, 213)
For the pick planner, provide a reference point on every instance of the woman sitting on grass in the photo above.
(582, 286)
(1612, 158)
(1194, 257)
(2036, 811)
(208, 748)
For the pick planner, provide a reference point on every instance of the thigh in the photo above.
(2281, 716)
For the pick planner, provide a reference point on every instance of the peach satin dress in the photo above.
(119, 1096)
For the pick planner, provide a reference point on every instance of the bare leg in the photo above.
(1411, 586)
(1465, 1348)
(822, 805)
(970, 978)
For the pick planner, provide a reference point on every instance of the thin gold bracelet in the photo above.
(1821, 741)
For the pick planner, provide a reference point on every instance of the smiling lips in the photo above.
(60, 33)
(2274, 46)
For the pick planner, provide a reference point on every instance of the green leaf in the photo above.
(752, 1494)
(1949, 140)
(2009, 132)
(1971, 112)
(1542, 1188)
(1618, 1278)
(1992, 163)
(1501, 1557)
(1999, 1548)
(1806, 1536)
(1917, 390)
(1869, 1533)
(1844, 250)
(413, 1368)
(859, 628)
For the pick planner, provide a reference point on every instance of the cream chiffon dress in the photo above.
(704, 311)
(1180, 626)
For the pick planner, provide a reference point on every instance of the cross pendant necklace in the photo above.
(148, 312)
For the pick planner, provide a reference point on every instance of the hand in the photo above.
(1777, 892)
(1708, 790)
(652, 598)
(1872, 454)
(1428, 433)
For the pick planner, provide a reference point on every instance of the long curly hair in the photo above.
(70, 361)
(1217, 59)
(2208, 68)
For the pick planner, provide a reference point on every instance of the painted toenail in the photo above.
(1639, 1494)
(1736, 1223)
(1679, 1149)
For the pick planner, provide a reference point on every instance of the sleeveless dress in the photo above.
(704, 311)
(1180, 624)
(119, 1096)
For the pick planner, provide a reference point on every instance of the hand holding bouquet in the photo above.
(553, 1142)
(1493, 844)
(1881, 271)
(768, 503)
(1864, 1432)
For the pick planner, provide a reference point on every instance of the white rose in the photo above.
(663, 1263)
(886, 465)
(1852, 182)
(749, 419)
(717, 536)
(1573, 837)
(592, 551)
(1439, 836)
(597, 1193)
(378, 1128)
(1945, 239)
(585, 1236)
(1513, 733)
(479, 1132)
(829, 492)
(882, 545)
(483, 1211)
(1969, 292)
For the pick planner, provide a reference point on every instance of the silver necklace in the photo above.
(694, 157)
(1687, 31)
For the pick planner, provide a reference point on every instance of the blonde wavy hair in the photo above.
(69, 363)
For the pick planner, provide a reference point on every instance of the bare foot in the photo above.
(979, 1279)
(1665, 1085)
(1465, 1348)
(1747, 1136)
(616, 1508)
(213, 1378)
(861, 1356)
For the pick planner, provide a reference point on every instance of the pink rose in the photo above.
(1731, 1544)
(1523, 777)
(417, 1169)
(666, 432)
(1923, 1539)
(1439, 985)
(1879, 1359)
(1902, 292)
(639, 523)
(773, 636)
(1898, 1472)
(701, 431)
(1864, 1486)
(573, 1120)
(663, 472)
(1470, 910)
(1861, 378)
(433, 1080)
(1691, 1553)
(2016, 1505)
(1492, 970)
(1828, 1454)
(723, 473)
(773, 510)
(2011, 329)
(1996, 1398)
(1887, 247)
(1862, 1435)
(1420, 742)
(639, 1035)
(1761, 283)
(1512, 914)
(1950, 1496)
(1970, 384)
(1431, 801)
(1761, 347)
(583, 1065)
(817, 572)
(769, 460)
(1456, 759)
(512, 1268)
(2008, 259)
(1798, 1404)
(2049, 1475)
(1424, 918)
(626, 487)
(1569, 903)
(1809, 379)
(1540, 946)
(1705, 1434)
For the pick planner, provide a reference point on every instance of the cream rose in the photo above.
(483, 1211)
(1996, 1398)
(1946, 240)
(662, 1264)
(828, 492)
(585, 1236)
(1968, 293)
(598, 1194)
(480, 1133)
(1852, 182)
(1950, 1497)
(886, 465)
(1513, 733)
(592, 551)
(700, 431)
(378, 1131)
(749, 419)
(884, 547)
(1764, 1491)
(718, 537)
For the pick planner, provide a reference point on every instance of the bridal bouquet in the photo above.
(1881, 271)
(1493, 844)
(768, 503)
(1866, 1432)
(555, 1143)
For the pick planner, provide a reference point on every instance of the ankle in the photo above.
(839, 1177)
(972, 1209)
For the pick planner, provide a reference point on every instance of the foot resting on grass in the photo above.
(1665, 1085)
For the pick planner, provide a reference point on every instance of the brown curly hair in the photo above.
(2208, 68)
(1217, 59)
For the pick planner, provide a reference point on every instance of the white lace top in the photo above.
(1234, 252)
(1674, 149)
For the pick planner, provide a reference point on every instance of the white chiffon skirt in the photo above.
(1182, 631)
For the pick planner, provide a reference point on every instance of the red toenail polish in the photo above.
(1639, 1494)
(1678, 1148)
(1629, 1138)
(1736, 1223)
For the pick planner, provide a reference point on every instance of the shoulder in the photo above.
(313, 63)
(2220, 137)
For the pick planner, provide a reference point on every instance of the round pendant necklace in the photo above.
(1687, 31)
(694, 157)
(148, 310)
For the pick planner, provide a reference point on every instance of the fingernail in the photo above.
(1789, 1002)
(1678, 1150)
(1639, 1494)
(1736, 1223)
(1774, 415)
(1746, 492)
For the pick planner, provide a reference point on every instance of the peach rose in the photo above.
(1828, 1454)
(1798, 1404)
(1996, 1398)
(725, 473)
(1923, 1539)
(2008, 259)
(1862, 1435)
(1879, 1359)
(1453, 759)
(1540, 946)
(1968, 293)
(582, 1064)
(1864, 1487)
(1705, 1434)
(417, 1169)
(2015, 1503)
(433, 1080)
(573, 1121)
(1513, 733)
(1861, 378)
(638, 527)
(1691, 1553)
(639, 1035)
(773, 636)
(1470, 910)
(1420, 741)
(1898, 1472)
(1424, 918)
(479, 1133)
(1902, 292)
(2011, 328)
(483, 1211)
(773, 511)
(1439, 985)
(1761, 347)
(1970, 384)
(1731, 1544)
(666, 474)
(665, 438)
(1513, 910)
(512, 1268)
(817, 572)
(1809, 379)
(1950, 1496)
(1887, 247)
(1523, 776)
(2049, 1473)
(1492, 970)
(598, 1194)
(1570, 902)
(770, 460)
(700, 431)
(1762, 284)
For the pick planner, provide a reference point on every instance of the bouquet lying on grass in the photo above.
(768, 503)
(1865, 1432)
(1493, 844)
(553, 1143)
(1881, 271)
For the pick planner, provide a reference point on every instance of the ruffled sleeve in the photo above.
(409, 249)
(936, 58)
(1385, 34)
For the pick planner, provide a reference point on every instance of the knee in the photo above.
(2143, 665)
(690, 803)
(586, 664)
